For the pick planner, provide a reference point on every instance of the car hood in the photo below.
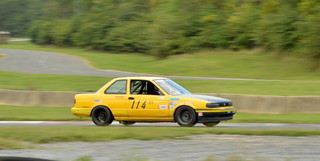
(206, 98)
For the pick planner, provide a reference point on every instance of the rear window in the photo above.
(118, 87)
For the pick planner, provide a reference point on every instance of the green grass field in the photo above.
(44, 82)
(229, 64)
(245, 64)
(20, 113)
(242, 64)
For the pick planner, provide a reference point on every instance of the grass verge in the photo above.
(18, 113)
(45, 82)
(6, 143)
(93, 134)
(276, 118)
(229, 64)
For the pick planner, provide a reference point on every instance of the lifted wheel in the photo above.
(211, 124)
(101, 116)
(127, 123)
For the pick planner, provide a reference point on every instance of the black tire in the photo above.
(211, 124)
(101, 116)
(127, 123)
(185, 116)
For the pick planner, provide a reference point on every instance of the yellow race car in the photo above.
(151, 99)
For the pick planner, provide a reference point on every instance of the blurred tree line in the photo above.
(16, 16)
(166, 27)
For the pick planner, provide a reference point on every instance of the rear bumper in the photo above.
(81, 112)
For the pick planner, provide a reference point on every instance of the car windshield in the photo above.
(171, 87)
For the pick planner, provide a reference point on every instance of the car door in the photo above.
(146, 101)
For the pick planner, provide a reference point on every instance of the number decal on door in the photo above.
(143, 105)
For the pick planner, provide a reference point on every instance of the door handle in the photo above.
(130, 98)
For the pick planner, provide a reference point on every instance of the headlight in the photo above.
(211, 105)
(220, 104)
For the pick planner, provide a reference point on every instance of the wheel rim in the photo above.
(186, 116)
(102, 116)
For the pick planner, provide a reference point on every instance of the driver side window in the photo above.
(144, 87)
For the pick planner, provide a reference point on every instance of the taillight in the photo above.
(74, 101)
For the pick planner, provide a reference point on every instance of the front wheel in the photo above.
(186, 116)
(101, 116)
(211, 124)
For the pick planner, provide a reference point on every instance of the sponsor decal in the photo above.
(97, 100)
(200, 114)
(162, 107)
(174, 103)
(174, 99)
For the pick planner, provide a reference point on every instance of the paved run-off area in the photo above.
(196, 148)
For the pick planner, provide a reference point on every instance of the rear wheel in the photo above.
(211, 124)
(101, 116)
(186, 116)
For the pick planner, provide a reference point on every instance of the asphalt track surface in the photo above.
(40, 62)
(195, 148)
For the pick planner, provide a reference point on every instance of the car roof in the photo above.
(141, 78)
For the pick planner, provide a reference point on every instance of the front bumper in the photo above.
(212, 115)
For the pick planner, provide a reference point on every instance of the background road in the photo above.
(40, 62)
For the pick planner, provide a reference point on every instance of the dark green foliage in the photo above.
(310, 30)
(17, 15)
(277, 28)
(167, 27)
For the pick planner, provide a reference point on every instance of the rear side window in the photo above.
(118, 87)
